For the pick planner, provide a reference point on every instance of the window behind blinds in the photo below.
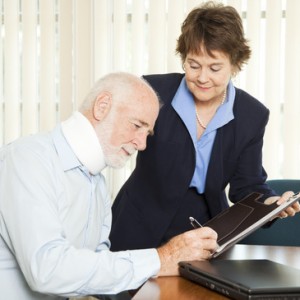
(52, 51)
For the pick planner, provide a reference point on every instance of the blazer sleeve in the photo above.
(249, 174)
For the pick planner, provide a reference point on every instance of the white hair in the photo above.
(118, 84)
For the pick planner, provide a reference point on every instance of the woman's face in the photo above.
(206, 76)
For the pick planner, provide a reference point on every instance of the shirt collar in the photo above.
(79, 144)
(184, 105)
(65, 153)
(224, 113)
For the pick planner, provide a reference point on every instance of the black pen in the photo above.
(195, 223)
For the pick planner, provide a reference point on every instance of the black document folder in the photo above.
(242, 218)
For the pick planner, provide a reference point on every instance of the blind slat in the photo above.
(157, 47)
(273, 85)
(1, 82)
(29, 68)
(253, 33)
(292, 93)
(82, 50)
(237, 4)
(12, 71)
(65, 58)
(191, 4)
(174, 21)
(138, 37)
(102, 26)
(119, 36)
(47, 65)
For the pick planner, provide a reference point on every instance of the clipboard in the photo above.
(244, 217)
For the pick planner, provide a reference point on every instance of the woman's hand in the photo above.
(291, 210)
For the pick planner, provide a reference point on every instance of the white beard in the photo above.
(114, 156)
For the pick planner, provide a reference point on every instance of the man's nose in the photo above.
(141, 141)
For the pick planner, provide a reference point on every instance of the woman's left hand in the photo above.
(291, 210)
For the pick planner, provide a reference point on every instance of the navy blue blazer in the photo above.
(155, 202)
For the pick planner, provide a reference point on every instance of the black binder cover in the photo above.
(244, 217)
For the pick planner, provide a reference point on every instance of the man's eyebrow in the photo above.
(145, 124)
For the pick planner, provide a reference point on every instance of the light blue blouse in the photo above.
(184, 105)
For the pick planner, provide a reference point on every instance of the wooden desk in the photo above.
(166, 288)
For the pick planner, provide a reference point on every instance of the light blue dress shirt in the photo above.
(184, 105)
(55, 219)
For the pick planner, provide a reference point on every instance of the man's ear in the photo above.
(102, 106)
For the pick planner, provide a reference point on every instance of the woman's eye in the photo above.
(215, 69)
(194, 67)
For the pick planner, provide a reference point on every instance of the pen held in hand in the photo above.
(195, 223)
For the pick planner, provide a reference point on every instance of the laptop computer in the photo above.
(245, 279)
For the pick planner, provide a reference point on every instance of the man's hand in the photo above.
(196, 244)
(289, 211)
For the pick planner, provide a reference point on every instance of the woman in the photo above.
(208, 134)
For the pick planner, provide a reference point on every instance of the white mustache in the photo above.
(130, 150)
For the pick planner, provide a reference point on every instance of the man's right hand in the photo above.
(196, 244)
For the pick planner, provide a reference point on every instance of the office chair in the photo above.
(284, 232)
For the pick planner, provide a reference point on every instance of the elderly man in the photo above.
(55, 211)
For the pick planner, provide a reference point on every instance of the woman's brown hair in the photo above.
(213, 26)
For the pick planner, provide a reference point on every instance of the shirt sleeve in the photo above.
(32, 230)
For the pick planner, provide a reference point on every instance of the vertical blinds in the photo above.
(52, 51)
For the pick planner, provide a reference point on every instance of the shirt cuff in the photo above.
(146, 263)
